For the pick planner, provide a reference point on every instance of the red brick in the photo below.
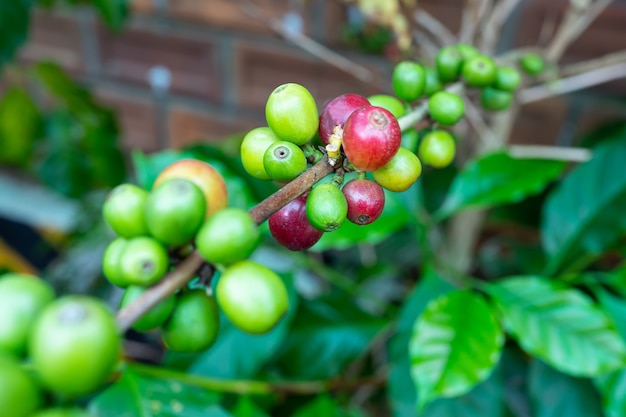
(600, 112)
(188, 126)
(54, 37)
(142, 6)
(261, 69)
(128, 57)
(540, 123)
(230, 14)
(447, 12)
(605, 35)
(136, 117)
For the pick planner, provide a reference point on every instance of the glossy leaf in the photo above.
(614, 306)
(562, 326)
(321, 406)
(484, 400)
(554, 394)
(246, 407)
(401, 389)
(497, 179)
(20, 124)
(456, 343)
(14, 22)
(584, 215)
(612, 388)
(326, 335)
(137, 395)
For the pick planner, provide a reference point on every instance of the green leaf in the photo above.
(14, 21)
(612, 387)
(584, 215)
(247, 408)
(498, 179)
(401, 388)
(20, 124)
(562, 326)
(326, 335)
(484, 400)
(614, 306)
(113, 12)
(456, 343)
(321, 406)
(136, 395)
(554, 394)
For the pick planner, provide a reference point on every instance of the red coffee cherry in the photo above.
(336, 111)
(371, 137)
(291, 228)
(366, 200)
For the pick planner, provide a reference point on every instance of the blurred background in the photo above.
(94, 82)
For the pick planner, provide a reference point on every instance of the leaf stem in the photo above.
(258, 387)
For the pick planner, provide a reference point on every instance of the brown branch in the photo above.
(434, 26)
(592, 64)
(473, 14)
(571, 84)
(495, 21)
(575, 22)
(554, 153)
(187, 268)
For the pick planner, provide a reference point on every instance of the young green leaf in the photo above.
(560, 325)
(456, 343)
(20, 124)
(138, 395)
(584, 215)
(612, 387)
(498, 179)
(325, 336)
(401, 388)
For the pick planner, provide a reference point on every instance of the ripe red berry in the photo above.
(291, 228)
(336, 111)
(371, 137)
(366, 200)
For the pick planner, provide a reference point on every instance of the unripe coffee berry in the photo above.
(408, 80)
(437, 149)
(446, 108)
(326, 207)
(284, 161)
(399, 173)
(291, 113)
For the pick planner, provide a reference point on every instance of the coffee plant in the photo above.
(381, 255)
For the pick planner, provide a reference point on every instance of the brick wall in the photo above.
(224, 59)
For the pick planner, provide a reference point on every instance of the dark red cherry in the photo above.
(336, 111)
(371, 137)
(366, 200)
(291, 228)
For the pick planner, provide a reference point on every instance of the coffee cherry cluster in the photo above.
(358, 134)
(187, 208)
(71, 345)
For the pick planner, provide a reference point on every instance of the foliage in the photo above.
(381, 319)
